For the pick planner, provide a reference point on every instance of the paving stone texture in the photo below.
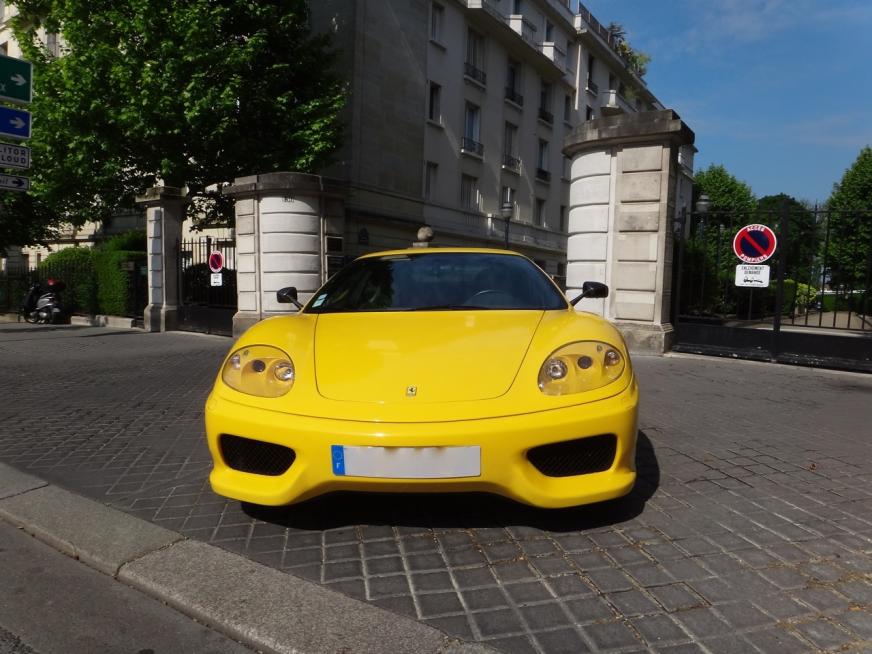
(750, 528)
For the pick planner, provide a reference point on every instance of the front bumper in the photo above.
(504, 443)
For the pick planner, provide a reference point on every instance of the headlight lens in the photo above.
(260, 370)
(581, 366)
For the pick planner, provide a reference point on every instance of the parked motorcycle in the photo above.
(43, 306)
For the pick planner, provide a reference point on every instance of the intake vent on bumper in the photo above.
(579, 457)
(257, 457)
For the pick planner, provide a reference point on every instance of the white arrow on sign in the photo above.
(17, 123)
(18, 79)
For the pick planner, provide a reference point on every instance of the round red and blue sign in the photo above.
(754, 243)
(216, 261)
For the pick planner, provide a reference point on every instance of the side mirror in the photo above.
(591, 290)
(288, 295)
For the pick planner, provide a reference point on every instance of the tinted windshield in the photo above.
(438, 282)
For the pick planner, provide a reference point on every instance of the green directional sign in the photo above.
(16, 76)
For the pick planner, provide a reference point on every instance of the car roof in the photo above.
(441, 250)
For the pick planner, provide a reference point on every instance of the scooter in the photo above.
(44, 307)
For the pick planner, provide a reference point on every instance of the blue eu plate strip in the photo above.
(338, 453)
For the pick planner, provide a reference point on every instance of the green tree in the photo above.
(188, 94)
(636, 60)
(850, 225)
(24, 220)
(710, 264)
(802, 247)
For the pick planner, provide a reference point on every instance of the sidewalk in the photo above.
(750, 529)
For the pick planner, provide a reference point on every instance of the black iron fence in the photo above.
(815, 304)
(124, 292)
(207, 300)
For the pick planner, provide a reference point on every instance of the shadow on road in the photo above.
(463, 510)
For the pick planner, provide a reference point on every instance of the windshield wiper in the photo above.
(453, 307)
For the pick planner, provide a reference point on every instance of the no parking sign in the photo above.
(216, 265)
(754, 243)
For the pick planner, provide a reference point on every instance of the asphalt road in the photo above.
(750, 528)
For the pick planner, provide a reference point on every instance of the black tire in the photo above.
(30, 316)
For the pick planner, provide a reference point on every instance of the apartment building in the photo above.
(458, 113)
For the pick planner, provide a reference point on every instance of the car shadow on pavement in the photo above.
(463, 510)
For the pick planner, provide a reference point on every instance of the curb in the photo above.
(264, 608)
(103, 321)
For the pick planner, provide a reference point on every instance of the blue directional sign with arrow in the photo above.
(14, 123)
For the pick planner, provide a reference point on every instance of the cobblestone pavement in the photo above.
(750, 528)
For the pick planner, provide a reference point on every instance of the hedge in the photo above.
(113, 282)
(75, 268)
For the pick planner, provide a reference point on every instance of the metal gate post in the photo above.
(784, 243)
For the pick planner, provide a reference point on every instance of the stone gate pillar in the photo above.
(282, 224)
(623, 198)
(164, 212)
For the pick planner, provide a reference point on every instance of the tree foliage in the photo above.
(727, 194)
(802, 247)
(637, 61)
(850, 225)
(186, 94)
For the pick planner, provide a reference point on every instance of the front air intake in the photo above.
(256, 457)
(581, 456)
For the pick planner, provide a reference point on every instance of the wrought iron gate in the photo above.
(204, 305)
(816, 309)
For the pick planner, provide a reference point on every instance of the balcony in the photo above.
(592, 87)
(474, 73)
(615, 103)
(471, 146)
(555, 54)
(513, 96)
(524, 27)
(543, 175)
(546, 116)
(511, 163)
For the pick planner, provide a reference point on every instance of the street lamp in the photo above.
(506, 211)
(703, 204)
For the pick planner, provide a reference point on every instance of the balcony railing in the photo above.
(543, 175)
(513, 96)
(592, 87)
(511, 162)
(546, 116)
(475, 73)
(470, 145)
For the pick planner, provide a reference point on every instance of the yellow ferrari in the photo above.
(428, 370)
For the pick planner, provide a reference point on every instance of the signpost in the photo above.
(14, 123)
(14, 183)
(16, 76)
(754, 243)
(14, 156)
(751, 276)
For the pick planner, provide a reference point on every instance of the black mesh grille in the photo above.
(578, 457)
(258, 457)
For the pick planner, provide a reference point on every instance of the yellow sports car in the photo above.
(437, 369)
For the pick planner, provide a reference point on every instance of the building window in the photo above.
(469, 196)
(475, 56)
(562, 223)
(542, 172)
(567, 108)
(591, 64)
(434, 109)
(612, 82)
(517, 7)
(545, 103)
(510, 147)
(471, 141)
(567, 162)
(549, 31)
(513, 82)
(539, 211)
(437, 17)
(588, 114)
(4, 47)
(430, 170)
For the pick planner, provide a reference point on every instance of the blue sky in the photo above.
(778, 91)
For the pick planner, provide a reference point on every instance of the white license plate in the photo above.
(406, 462)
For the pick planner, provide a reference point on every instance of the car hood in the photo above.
(421, 356)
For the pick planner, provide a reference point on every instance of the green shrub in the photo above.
(113, 281)
(75, 268)
(132, 241)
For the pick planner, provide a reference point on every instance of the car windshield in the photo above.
(460, 281)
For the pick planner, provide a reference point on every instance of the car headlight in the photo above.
(259, 370)
(581, 366)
